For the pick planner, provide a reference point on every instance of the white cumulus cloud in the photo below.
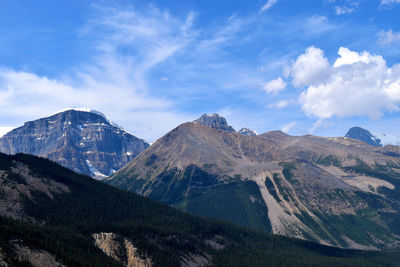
(356, 84)
(348, 57)
(275, 86)
(311, 68)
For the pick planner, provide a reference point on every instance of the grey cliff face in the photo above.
(214, 121)
(363, 135)
(85, 142)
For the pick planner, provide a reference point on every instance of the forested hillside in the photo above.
(60, 211)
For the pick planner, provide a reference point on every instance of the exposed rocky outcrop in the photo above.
(80, 139)
(214, 121)
(121, 249)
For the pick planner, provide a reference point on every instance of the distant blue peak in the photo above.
(363, 135)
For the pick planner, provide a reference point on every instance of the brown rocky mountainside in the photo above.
(80, 139)
(337, 191)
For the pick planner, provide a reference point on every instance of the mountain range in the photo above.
(340, 191)
(336, 191)
(51, 216)
(81, 139)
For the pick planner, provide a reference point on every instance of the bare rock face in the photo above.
(79, 139)
(214, 121)
(121, 249)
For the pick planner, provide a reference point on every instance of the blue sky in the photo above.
(318, 66)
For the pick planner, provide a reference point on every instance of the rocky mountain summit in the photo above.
(214, 121)
(337, 191)
(247, 132)
(83, 140)
(363, 135)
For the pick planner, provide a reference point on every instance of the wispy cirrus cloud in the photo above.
(127, 45)
(150, 69)
(268, 5)
(389, 2)
(341, 10)
(280, 104)
(343, 7)
(389, 37)
(287, 127)
(131, 46)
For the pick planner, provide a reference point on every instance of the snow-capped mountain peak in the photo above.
(89, 110)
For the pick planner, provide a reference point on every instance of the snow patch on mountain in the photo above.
(89, 110)
(95, 173)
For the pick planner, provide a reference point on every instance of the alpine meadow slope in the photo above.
(335, 191)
